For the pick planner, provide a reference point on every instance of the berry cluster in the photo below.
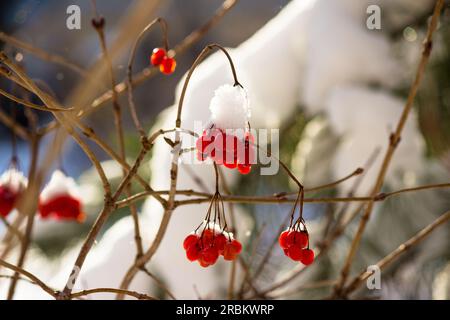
(60, 199)
(295, 245)
(211, 243)
(227, 149)
(12, 185)
(160, 58)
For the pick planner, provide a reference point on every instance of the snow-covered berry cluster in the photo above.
(207, 245)
(60, 199)
(160, 58)
(12, 184)
(295, 244)
(228, 140)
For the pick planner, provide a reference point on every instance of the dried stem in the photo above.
(401, 249)
(99, 25)
(147, 73)
(171, 204)
(393, 143)
(29, 275)
(137, 295)
(131, 103)
(42, 54)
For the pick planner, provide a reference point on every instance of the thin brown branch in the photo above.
(393, 143)
(401, 249)
(171, 204)
(42, 54)
(137, 295)
(29, 275)
(158, 282)
(99, 25)
(30, 104)
(149, 72)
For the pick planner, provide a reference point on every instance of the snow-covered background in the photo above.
(335, 89)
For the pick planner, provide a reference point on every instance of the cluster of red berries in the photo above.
(207, 246)
(60, 199)
(62, 207)
(295, 245)
(8, 200)
(227, 149)
(160, 58)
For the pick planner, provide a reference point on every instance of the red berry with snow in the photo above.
(157, 56)
(60, 199)
(167, 65)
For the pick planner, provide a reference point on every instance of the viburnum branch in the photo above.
(394, 140)
(107, 209)
(401, 249)
(42, 54)
(28, 208)
(129, 82)
(29, 275)
(158, 282)
(99, 25)
(147, 73)
(30, 104)
(171, 203)
(137, 295)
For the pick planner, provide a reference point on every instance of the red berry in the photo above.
(307, 257)
(189, 241)
(230, 161)
(232, 249)
(246, 151)
(303, 239)
(205, 146)
(299, 239)
(244, 168)
(203, 263)
(209, 255)
(62, 207)
(219, 242)
(283, 240)
(207, 238)
(295, 253)
(167, 65)
(7, 200)
(193, 252)
(157, 56)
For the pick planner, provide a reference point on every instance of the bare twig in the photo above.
(401, 249)
(393, 143)
(42, 54)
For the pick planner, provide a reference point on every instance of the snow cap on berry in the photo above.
(229, 107)
(14, 179)
(59, 185)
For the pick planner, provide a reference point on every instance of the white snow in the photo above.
(229, 107)
(59, 184)
(364, 118)
(14, 179)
